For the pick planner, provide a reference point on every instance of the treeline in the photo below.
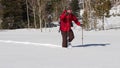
(39, 13)
(32, 13)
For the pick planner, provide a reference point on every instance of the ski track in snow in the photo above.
(30, 43)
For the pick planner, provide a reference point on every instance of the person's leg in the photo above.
(64, 39)
(71, 35)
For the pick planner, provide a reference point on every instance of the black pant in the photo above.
(67, 36)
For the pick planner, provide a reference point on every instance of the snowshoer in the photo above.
(66, 19)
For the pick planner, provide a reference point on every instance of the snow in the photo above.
(30, 48)
(113, 21)
(115, 10)
(110, 23)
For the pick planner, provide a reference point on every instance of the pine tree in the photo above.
(75, 7)
(94, 10)
(102, 8)
(107, 7)
(14, 15)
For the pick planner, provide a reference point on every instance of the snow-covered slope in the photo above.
(113, 21)
(29, 48)
(115, 10)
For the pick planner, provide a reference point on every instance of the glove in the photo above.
(81, 25)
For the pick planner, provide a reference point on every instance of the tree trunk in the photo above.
(103, 23)
(35, 24)
(87, 10)
(40, 14)
(28, 19)
(95, 23)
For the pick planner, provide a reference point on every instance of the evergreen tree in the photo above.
(49, 7)
(93, 10)
(75, 7)
(107, 7)
(14, 14)
(102, 8)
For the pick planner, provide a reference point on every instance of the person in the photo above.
(49, 20)
(66, 19)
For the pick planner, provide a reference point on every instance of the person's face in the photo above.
(69, 11)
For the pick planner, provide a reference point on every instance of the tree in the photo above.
(107, 7)
(33, 7)
(94, 10)
(56, 8)
(101, 9)
(13, 14)
(75, 7)
(87, 14)
(28, 18)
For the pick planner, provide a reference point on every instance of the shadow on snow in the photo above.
(89, 45)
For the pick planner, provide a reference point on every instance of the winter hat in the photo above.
(68, 7)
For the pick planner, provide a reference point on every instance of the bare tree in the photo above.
(28, 19)
(40, 13)
(33, 5)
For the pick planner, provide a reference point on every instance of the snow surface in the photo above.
(30, 48)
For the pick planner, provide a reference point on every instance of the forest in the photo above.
(15, 14)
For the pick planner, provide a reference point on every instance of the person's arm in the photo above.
(63, 15)
(76, 20)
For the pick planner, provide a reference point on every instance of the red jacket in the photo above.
(66, 20)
